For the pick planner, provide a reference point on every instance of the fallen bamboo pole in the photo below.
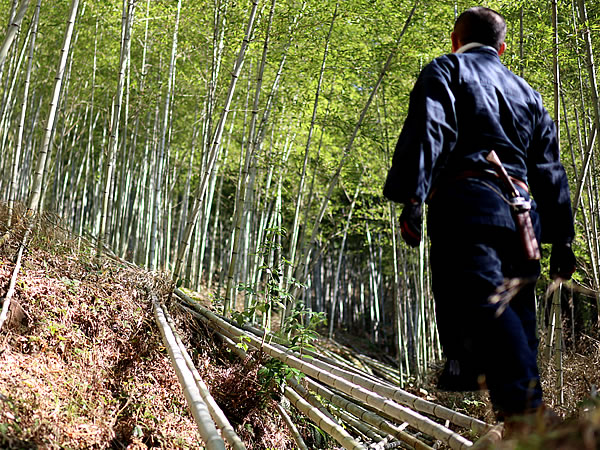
(13, 279)
(391, 408)
(403, 397)
(385, 390)
(282, 412)
(366, 415)
(370, 432)
(491, 438)
(310, 407)
(206, 426)
(323, 421)
(214, 409)
(292, 427)
(340, 362)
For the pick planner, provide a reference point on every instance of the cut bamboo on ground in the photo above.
(303, 404)
(229, 342)
(214, 409)
(356, 391)
(384, 390)
(198, 408)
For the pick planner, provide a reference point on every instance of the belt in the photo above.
(490, 174)
(477, 174)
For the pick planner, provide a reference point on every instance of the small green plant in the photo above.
(273, 374)
(274, 291)
(243, 344)
(300, 327)
(241, 317)
(216, 301)
(475, 403)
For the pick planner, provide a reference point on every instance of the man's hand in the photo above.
(562, 261)
(410, 224)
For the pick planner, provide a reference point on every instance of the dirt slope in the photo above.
(84, 366)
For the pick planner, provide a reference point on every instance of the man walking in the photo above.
(465, 109)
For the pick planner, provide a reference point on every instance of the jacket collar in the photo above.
(476, 45)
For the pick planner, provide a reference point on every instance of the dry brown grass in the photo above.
(581, 376)
(85, 367)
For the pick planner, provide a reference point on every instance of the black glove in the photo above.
(562, 261)
(410, 224)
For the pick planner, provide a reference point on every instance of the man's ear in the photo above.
(502, 48)
(455, 42)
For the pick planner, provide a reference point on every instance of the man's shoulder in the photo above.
(447, 60)
(443, 65)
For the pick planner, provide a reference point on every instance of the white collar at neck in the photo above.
(470, 46)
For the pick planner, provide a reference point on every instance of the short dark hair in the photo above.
(480, 24)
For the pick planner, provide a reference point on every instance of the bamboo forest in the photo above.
(235, 151)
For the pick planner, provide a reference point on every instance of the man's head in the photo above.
(479, 24)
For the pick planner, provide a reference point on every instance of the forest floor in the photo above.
(82, 365)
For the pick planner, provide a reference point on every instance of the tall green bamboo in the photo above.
(13, 190)
(215, 145)
(12, 33)
(301, 270)
(113, 143)
(36, 187)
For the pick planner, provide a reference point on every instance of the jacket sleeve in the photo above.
(429, 130)
(548, 182)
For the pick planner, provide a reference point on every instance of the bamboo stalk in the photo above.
(363, 428)
(333, 398)
(295, 222)
(228, 339)
(326, 356)
(215, 144)
(493, 436)
(341, 254)
(586, 35)
(366, 415)
(13, 279)
(12, 32)
(309, 397)
(36, 187)
(214, 409)
(291, 427)
(337, 432)
(113, 142)
(13, 196)
(398, 395)
(305, 256)
(558, 355)
(241, 204)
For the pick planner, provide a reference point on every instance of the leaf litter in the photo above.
(84, 366)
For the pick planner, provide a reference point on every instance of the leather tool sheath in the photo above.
(520, 207)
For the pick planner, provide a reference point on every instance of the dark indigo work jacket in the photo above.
(463, 106)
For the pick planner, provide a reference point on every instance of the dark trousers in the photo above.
(482, 341)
